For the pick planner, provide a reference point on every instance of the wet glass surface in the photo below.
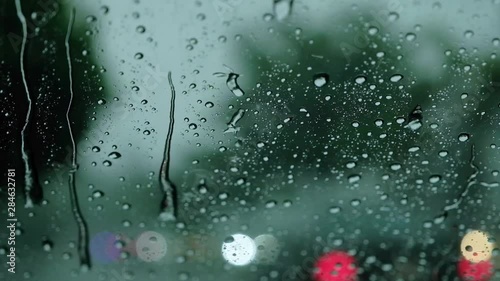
(252, 140)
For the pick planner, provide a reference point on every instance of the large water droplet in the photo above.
(360, 79)
(372, 30)
(282, 9)
(396, 77)
(355, 202)
(463, 137)
(415, 118)
(469, 34)
(411, 37)
(335, 210)
(97, 194)
(434, 178)
(231, 126)
(321, 79)
(393, 16)
(140, 29)
(232, 84)
(47, 245)
(114, 155)
(354, 178)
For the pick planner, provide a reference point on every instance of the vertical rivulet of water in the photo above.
(168, 211)
(32, 189)
(75, 207)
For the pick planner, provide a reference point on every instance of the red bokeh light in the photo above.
(335, 266)
(469, 271)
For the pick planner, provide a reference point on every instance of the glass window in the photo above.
(249, 140)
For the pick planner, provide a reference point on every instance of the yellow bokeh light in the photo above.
(476, 246)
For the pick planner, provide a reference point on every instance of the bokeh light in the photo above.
(239, 249)
(268, 249)
(151, 246)
(103, 247)
(477, 246)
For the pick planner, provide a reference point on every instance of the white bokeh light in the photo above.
(268, 249)
(151, 246)
(239, 249)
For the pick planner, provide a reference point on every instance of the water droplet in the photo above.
(439, 219)
(379, 122)
(138, 56)
(146, 132)
(193, 126)
(222, 39)
(395, 167)
(101, 101)
(223, 196)
(201, 17)
(268, 17)
(90, 19)
(335, 210)
(140, 29)
(372, 30)
(271, 204)
(427, 224)
(240, 181)
(468, 34)
(106, 163)
(463, 137)
(231, 126)
(282, 9)
(360, 79)
(202, 189)
(443, 153)
(411, 37)
(355, 202)
(393, 16)
(232, 84)
(97, 194)
(321, 79)
(96, 149)
(209, 104)
(114, 155)
(396, 77)
(354, 178)
(66, 256)
(47, 245)
(350, 165)
(434, 178)
(414, 125)
(415, 118)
